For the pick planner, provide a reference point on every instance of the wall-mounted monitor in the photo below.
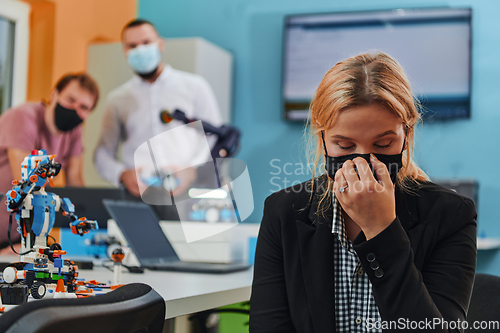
(432, 44)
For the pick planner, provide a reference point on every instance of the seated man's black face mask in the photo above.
(394, 163)
(66, 119)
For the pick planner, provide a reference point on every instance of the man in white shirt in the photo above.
(133, 109)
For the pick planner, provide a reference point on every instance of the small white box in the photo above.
(230, 245)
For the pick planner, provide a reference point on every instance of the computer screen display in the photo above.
(140, 227)
(432, 45)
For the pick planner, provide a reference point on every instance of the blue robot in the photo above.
(34, 211)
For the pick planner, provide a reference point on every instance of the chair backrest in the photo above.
(485, 304)
(132, 308)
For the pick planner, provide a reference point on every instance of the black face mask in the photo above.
(66, 119)
(394, 163)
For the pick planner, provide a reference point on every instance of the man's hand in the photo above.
(369, 203)
(186, 177)
(129, 180)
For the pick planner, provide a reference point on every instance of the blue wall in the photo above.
(252, 31)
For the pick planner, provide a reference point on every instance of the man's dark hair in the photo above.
(85, 81)
(136, 23)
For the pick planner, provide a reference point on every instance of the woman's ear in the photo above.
(405, 144)
(407, 135)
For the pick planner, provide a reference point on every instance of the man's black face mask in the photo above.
(394, 163)
(66, 119)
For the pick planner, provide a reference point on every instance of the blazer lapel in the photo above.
(406, 209)
(316, 256)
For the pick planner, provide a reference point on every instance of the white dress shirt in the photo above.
(133, 111)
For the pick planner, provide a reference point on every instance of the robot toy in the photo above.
(40, 266)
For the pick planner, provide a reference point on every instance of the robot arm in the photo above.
(79, 226)
(45, 169)
(227, 136)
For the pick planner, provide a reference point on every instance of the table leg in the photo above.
(169, 326)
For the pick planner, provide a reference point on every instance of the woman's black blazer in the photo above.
(427, 257)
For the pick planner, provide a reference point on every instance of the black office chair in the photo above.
(133, 308)
(485, 303)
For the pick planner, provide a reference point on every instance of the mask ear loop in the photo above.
(406, 136)
(404, 145)
(324, 144)
(326, 153)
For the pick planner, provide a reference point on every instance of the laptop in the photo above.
(88, 203)
(140, 227)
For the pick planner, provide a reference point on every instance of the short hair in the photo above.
(85, 81)
(136, 23)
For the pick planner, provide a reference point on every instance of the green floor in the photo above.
(234, 322)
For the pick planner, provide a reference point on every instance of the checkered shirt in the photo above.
(354, 301)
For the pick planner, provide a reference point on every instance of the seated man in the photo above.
(54, 127)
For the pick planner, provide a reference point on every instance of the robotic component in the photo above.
(35, 174)
(14, 294)
(117, 256)
(34, 211)
(227, 136)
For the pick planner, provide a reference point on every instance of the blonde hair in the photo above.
(359, 81)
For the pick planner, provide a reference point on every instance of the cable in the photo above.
(107, 267)
(130, 269)
(10, 240)
(52, 239)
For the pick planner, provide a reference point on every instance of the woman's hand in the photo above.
(368, 202)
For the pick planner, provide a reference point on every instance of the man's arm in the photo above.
(16, 157)
(206, 106)
(74, 171)
(105, 159)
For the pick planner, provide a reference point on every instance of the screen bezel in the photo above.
(111, 205)
(425, 115)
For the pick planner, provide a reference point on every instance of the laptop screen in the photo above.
(142, 231)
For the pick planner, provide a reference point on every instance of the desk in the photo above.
(186, 293)
(487, 243)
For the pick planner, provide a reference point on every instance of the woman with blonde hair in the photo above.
(371, 244)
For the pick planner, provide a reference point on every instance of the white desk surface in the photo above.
(186, 293)
(487, 243)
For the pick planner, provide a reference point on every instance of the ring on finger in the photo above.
(343, 188)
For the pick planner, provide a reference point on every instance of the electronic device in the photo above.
(140, 227)
(467, 187)
(433, 45)
(88, 203)
(228, 137)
